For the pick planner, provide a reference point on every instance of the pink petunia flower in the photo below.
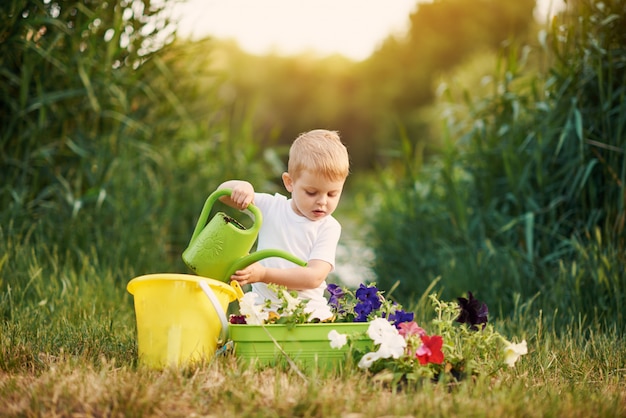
(410, 328)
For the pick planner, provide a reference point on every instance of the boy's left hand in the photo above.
(254, 273)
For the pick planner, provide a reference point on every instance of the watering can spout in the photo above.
(244, 262)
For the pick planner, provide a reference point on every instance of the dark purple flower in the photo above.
(336, 293)
(362, 310)
(473, 312)
(400, 316)
(237, 319)
(370, 294)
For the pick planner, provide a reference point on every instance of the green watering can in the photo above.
(221, 247)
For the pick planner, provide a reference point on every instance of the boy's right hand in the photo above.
(242, 194)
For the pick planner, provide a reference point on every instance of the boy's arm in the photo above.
(242, 193)
(295, 278)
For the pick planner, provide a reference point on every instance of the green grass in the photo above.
(105, 174)
(560, 377)
(68, 347)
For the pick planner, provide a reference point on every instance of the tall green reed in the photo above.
(111, 133)
(112, 137)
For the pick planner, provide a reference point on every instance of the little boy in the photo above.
(302, 225)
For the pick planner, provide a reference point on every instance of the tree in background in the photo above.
(399, 78)
(367, 101)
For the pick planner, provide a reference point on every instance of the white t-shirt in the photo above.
(283, 229)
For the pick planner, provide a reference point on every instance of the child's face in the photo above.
(312, 195)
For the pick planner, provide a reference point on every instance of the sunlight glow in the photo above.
(354, 28)
(350, 27)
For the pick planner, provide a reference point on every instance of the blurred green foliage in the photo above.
(527, 200)
(367, 100)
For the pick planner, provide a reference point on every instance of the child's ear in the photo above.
(288, 182)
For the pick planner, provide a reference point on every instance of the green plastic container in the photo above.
(306, 344)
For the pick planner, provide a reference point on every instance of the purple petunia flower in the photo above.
(370, 294)
(336, 293)
(362, 310)
(400, 316)
(473, 312)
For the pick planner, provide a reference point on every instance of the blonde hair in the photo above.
(320, 151)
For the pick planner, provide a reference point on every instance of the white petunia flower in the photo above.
(337, 340)
(367, 360)
(255, 314)
(292, 302)
(512, 352)
(380, 330)
(393, 346)
(384, 334)
(318, 311)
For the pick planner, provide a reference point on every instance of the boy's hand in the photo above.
(252, 274)
(242, 194)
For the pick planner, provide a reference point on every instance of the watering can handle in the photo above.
(208, 205)
(218, 309)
